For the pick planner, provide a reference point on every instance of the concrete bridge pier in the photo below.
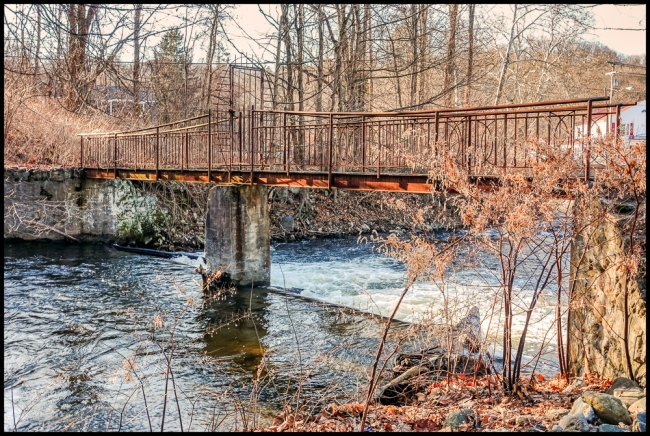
(237, 234)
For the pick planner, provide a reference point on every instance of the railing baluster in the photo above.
(363, 144)
(252, 142)
(588, 153)
(329, 168)
(209, 145)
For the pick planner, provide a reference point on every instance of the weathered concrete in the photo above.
(597, 322)
(59, 204)
(237, 234)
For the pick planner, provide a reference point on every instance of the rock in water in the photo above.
(581, 407)
(608, 408)
(456, 418)
(287, 223)
(574, 422)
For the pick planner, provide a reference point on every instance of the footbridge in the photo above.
(244, 151)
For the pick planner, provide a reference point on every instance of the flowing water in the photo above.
(84, 324)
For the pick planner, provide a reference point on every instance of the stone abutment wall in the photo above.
(598, 317)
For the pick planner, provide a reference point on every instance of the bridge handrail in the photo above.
(439, 111)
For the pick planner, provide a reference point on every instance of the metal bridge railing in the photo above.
(484, 140)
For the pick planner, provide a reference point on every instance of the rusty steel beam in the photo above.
(412, 183)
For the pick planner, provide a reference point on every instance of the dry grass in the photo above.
(40, 132)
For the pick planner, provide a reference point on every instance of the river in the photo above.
(84, 323)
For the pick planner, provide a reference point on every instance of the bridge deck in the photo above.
(365, 151)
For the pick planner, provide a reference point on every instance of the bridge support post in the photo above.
(237, 234)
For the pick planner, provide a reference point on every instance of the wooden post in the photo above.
(81, 160)
(157, 151)
(329, 169)
(588, 153)
(209, 145)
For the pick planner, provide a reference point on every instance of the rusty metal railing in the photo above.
(484, 140)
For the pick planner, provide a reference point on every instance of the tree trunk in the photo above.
(451, 55)
(470, 56)
(37, 59)
(506, 61)
(209, 60)
(278, 53)
(414, 60)
(136, 59)
(319, 83)
(423, 50)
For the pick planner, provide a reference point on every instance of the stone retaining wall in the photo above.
(59, 204)
(597, 323)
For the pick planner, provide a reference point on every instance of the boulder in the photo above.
(557, 428)
(621, 382)
(574, 422)
(609, 428)
(608, 408)
(456, 418)
(581, 407)
(639, 423)
(637, 406)
(287, 223)
(628, 396)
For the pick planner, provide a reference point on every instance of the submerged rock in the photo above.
(608, 408)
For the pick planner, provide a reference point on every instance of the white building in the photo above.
(632, 128)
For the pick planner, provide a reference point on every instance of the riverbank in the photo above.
(480, 405)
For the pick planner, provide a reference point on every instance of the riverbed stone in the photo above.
(456, 418)
(628, 396)
(621, 382)
(608, 408)
(639, 423)
(637, 406)
(581, 407)
(574, 422)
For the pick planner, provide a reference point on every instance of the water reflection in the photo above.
(235, 325)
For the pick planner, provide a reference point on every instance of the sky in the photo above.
(249, 22)
(606, 16)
